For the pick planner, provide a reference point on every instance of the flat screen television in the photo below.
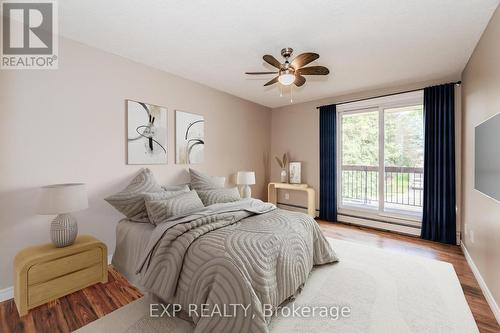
(487, 157)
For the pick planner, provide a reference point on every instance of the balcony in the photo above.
(403, 188)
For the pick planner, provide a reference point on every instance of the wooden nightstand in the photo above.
(44, 272)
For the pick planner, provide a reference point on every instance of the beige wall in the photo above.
(68, 125)
(295, 129)
(481, 99)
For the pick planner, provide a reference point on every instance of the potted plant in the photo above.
(283, 165)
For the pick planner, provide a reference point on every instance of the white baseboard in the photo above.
(8, 293)
(486, 291)
(403, 229)
(295, 208)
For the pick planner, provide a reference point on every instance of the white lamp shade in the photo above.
(245, 178)
(62, 198)
(286, 79)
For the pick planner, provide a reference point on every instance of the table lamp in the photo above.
(61, 200)
(245, 178)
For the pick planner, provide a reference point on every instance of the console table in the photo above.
(272, 194)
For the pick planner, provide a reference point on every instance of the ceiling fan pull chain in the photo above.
(281, 90)
(291, 94)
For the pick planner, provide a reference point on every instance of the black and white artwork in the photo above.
(147, 133)
(189, 138)
(295, 172)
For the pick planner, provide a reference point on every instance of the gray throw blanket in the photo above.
(246, 252)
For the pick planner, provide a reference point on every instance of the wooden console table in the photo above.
(272, 194)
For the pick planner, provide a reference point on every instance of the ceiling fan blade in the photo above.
(273, 81)
(299, 80)
(313, 70)
(303, 59)
(258, 73)
(272, 61)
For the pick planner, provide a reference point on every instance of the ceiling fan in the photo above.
(292, 72)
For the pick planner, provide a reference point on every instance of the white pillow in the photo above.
(220, 182)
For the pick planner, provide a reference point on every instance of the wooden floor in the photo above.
(69, 313)
(78, 309)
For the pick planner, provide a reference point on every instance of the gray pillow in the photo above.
(183, 187)
(201, 181)
(130, 201)
(163, 195)
(161, 209)
(221, 195)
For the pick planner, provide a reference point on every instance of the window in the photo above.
(360, 158)
(381, 157)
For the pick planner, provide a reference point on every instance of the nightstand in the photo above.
(43, 273)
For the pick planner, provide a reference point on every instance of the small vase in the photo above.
(283, 176)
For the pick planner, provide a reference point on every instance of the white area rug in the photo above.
(386, 291)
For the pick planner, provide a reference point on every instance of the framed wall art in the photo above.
(147, 133)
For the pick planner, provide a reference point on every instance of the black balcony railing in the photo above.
(403, 186)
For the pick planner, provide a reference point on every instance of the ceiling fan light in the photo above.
(286, 79)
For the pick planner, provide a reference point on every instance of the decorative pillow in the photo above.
(183, 187)
(218, 181)
(161, 209)
(163, 195)
(130, 201)
(201, 181)
(221, 195)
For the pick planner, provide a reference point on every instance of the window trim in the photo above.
(375, 104)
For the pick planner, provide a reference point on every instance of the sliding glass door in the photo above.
(360, 159)
(404, 160)
(381, 151)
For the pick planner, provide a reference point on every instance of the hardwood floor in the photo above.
(71, 312)
(80, 308)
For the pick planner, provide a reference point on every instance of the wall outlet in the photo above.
(287, 196)
(471, 236)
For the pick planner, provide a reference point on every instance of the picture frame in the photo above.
(189, 138)
(147, 133)
(295, 169)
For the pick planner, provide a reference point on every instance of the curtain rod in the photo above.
(392, 94)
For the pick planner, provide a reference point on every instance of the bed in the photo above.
(246, 252)
(131, 241)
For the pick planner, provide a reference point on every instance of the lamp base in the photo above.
(246, 192)
(63, 230)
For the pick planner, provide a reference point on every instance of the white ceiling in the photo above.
(365, 43)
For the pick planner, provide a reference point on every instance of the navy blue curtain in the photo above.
(439, 214)
(327, 163)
